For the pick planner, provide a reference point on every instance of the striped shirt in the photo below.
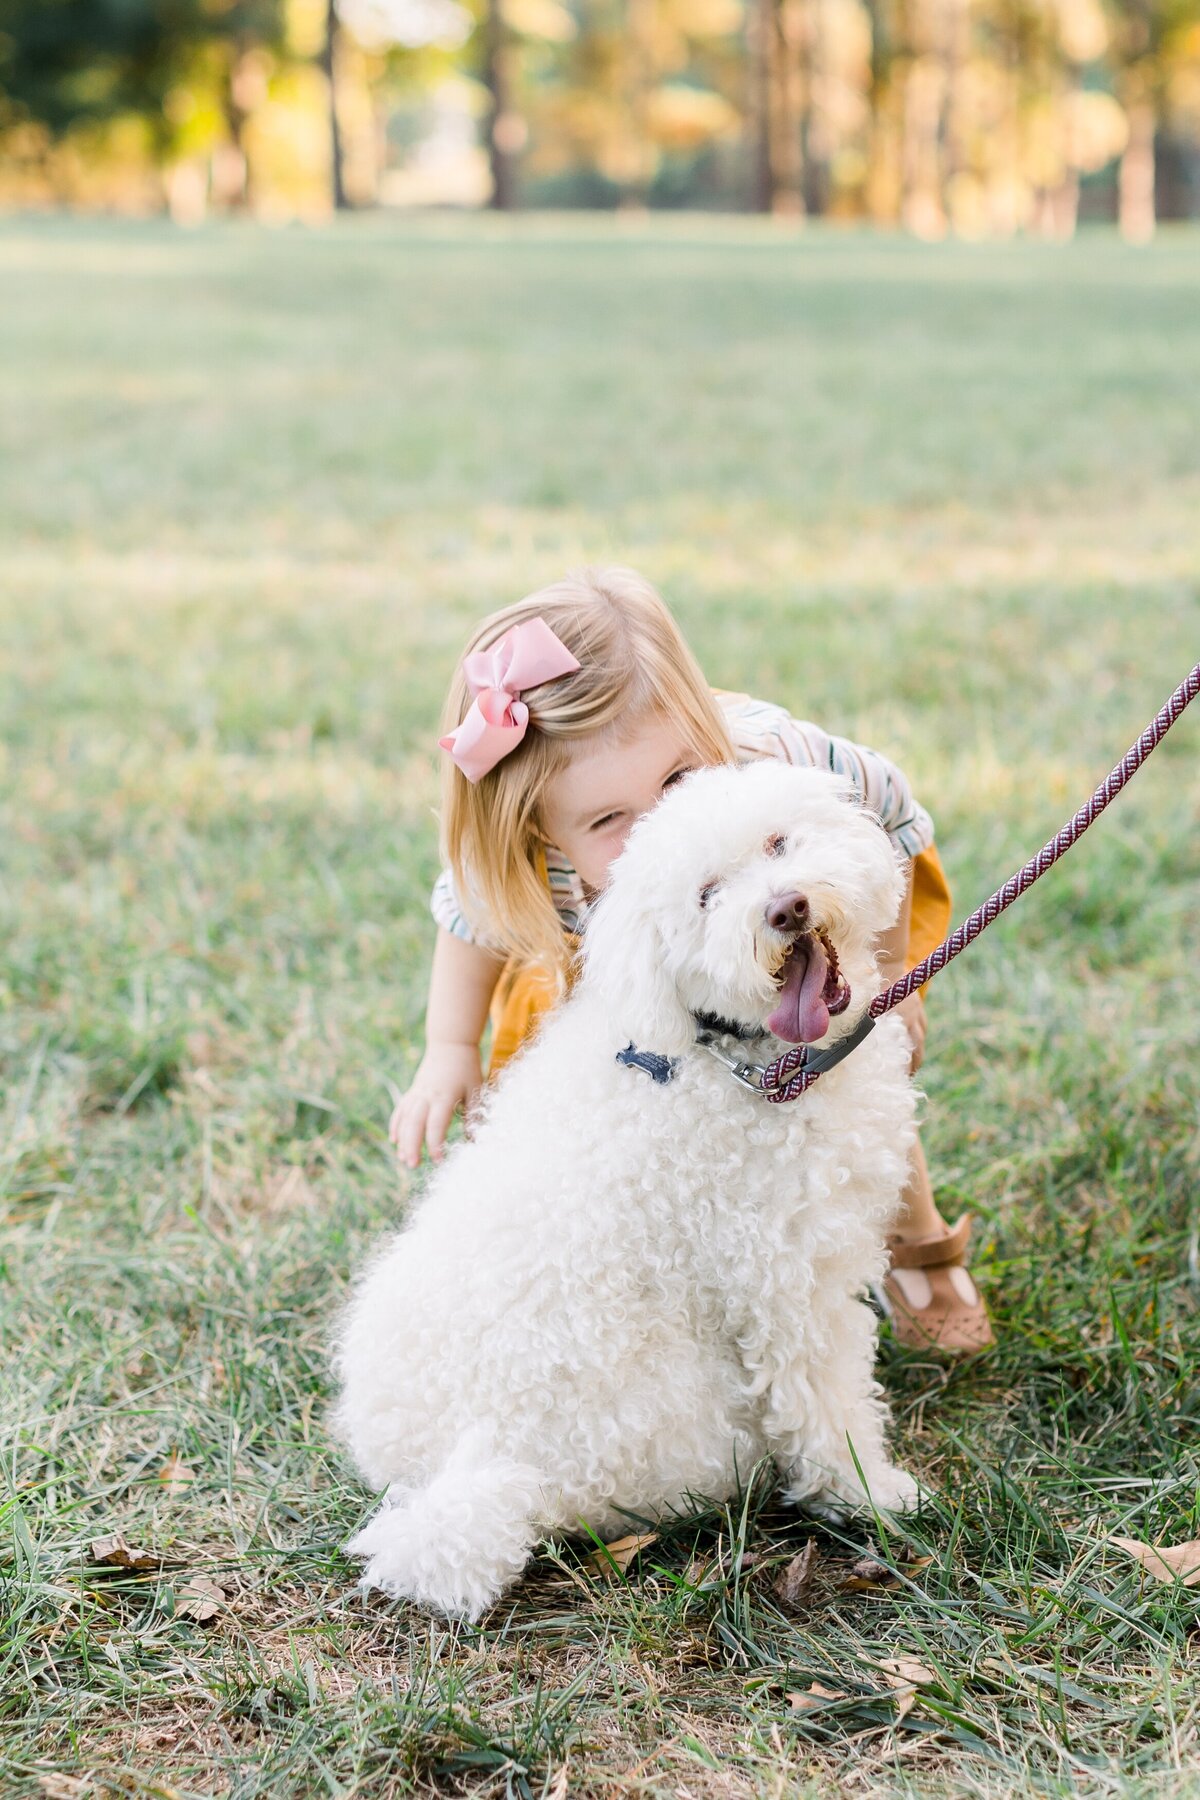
(758, 729)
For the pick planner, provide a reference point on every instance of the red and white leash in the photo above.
(787, 1077)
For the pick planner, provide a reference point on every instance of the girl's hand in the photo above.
(449, 1076)
(912, 1011)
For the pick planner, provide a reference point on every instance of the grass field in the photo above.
(255, 488)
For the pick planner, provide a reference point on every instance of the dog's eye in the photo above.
(707, 892)
(777, 845)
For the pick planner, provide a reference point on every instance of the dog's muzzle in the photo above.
(812, 989)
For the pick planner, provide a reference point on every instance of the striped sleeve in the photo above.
(761, 729)
(566, 892)
(446, 908)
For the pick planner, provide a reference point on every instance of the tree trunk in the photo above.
(923, 210)
(504, 125)
(761, 59)
(1135, 181)
(789, 26)
(882, 146)
(329, 60)
(231, 178)
(1063, 203)
(638, 81)
(955, 122)
(813, 149)
(1066, 206)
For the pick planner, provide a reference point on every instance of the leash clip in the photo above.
(811, 1063)
(747, 1074)
(758, 1077)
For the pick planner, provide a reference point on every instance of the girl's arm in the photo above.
(450, 1074)
(760, 728)
(893, 962)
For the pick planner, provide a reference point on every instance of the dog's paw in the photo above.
(828, 1511)
(895, 1491)
(841, 1497)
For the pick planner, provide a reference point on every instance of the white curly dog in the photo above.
(638, 1278)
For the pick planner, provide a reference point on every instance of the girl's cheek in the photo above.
(614, 847)
(598, 858)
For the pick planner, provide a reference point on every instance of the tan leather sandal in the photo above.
(929, 1297)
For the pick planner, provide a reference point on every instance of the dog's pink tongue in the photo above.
(802, 1015)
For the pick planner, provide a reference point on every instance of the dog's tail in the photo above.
(455, 1544)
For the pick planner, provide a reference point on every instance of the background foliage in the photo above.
(977, 117)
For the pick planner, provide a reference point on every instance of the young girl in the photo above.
(572, 714)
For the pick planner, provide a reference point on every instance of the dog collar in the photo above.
(719, 1027)
(660, 1069)
(747, 1074)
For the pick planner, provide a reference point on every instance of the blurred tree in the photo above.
(882, 157)
(65, 62)
(778, 30)
(503, 34)
(506, 130)
(975, 116)
(641, 86)
(390, 63)
(245, 39)
(330, 63)
(760, 56)
(1152, 41)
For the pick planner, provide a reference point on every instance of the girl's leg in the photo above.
(921, 1217)
(932, 1301)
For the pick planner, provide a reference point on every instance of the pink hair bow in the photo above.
(496, 719)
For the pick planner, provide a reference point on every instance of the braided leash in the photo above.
(786, 1078)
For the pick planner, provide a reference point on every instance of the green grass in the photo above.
(255, 488)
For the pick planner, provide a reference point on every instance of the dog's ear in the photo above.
(625, 963)
(888, 879)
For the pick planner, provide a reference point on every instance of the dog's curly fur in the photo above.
(620, 1294)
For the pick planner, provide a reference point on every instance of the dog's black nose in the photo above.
(788, 912)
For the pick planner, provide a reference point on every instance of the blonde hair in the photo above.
(633, 663)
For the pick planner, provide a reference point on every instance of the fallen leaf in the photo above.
(815, 1696)
(906, 1698)
(175, 1474)
(906, 1668)
(793, 1585)
(115, 1553)
(1169, 1562)
(867, 1572)
(622, 1551)
(199, 1599)
(905, 1674)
